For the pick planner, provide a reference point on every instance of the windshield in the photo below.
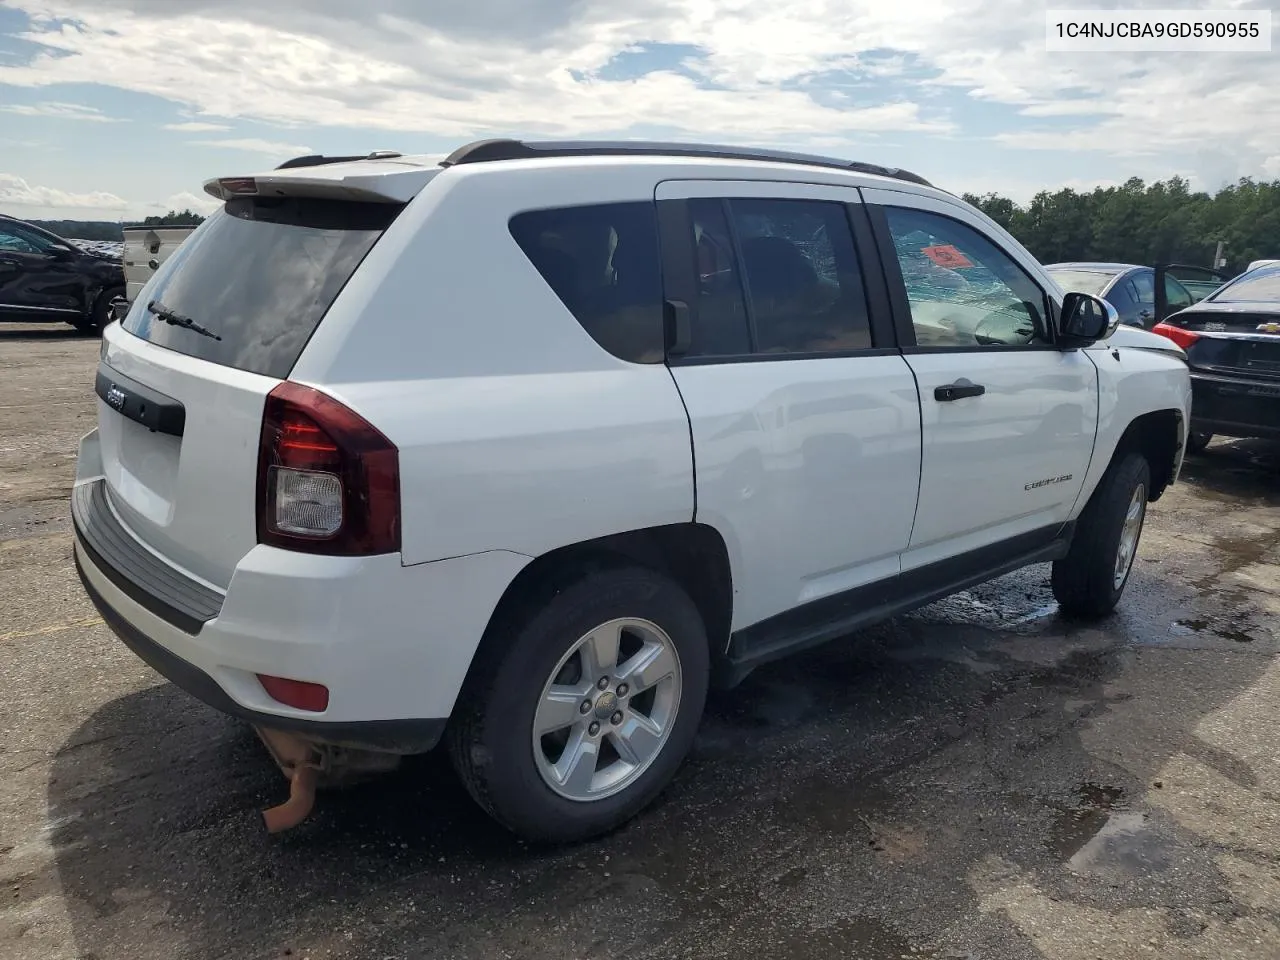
(260, 274)
(1263, 284)
(1082, 281)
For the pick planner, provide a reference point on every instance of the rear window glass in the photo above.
(1264, 285)
(260, 273)
(1082, 281)
(602, 262)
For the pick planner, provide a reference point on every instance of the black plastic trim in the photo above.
(389, 736)
(782, 357)
(140, 403)
(831, 617)
(485, 151)
(142, 576)
(989, 348)
(879, 308)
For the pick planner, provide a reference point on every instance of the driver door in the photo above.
(34, 278)
(1008, 418)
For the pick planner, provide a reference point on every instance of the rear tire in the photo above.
(617, 741)
(100, 314)
(1197, 441)
(1089, 580)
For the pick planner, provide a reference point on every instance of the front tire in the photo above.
(578, 712)
(1089, 580)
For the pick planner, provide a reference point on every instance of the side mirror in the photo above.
(1086, 319)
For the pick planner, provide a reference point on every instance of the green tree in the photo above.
(186, 218)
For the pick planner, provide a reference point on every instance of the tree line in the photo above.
(1145, 223)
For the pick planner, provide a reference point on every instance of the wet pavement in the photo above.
(977, 780)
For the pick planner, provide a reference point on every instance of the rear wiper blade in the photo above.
(178, 320)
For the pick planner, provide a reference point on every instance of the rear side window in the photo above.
(803, 281)
(261, 274)
(602, 261)
(776, 277)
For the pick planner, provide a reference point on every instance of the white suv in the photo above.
(524, 449)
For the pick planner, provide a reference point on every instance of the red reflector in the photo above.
(296, 693)
(1183, 338)
(239, 185)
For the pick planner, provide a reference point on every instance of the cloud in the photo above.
(17, 192)
(186, 200)
(196, 126)
(254, 145)
(466, 73)
(757, 71)
(59, 111)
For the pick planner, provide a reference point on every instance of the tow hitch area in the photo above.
(309, 765)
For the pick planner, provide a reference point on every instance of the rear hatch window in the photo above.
(260, 274)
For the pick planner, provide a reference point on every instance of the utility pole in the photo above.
(1219, 261)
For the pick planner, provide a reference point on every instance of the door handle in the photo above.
(957, 391)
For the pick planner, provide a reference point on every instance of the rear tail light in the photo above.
(1183, 338)
(328, 481)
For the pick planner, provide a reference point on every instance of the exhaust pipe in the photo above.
(301, 763)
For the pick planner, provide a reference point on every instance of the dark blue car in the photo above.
(1130, 288)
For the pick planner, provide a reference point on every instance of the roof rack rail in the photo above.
(316, 159)
(486, 150)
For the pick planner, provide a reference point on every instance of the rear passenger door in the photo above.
(805, 419)
(1009, 418)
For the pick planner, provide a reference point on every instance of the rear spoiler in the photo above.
(376, 179)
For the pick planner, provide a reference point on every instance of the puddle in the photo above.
(1102, 837)
(1186, 628)
(1075, 827)
(1125, 846)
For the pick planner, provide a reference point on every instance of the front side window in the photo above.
(15, 242)
(963, 290)
(602, 262)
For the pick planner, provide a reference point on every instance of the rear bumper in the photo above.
(1235, 407)
(393, 736)
(391, 643)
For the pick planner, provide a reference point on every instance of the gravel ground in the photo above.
(978, 780)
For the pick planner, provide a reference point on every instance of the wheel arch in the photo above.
(1160, 436)
(693, 555)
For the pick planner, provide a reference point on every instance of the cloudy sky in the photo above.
(114, 109)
